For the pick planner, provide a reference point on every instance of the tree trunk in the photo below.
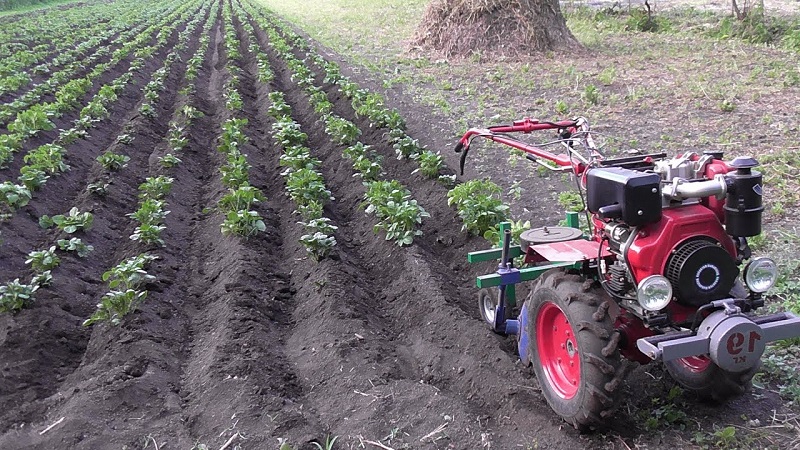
(494, 28)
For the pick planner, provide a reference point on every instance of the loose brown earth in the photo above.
(249, 341)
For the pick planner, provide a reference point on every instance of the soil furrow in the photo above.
(427, 345)
(77, 281)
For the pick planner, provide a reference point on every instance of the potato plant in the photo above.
(125, 281)
(113, 161)
(14, 295)
(398, 214)
(75, 245)
(42, 260)
(13, 196)
(69, 223)
(479, 205)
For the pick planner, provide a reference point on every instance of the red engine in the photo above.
(683, 221)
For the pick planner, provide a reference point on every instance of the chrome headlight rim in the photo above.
(643, 297)
(760, 263)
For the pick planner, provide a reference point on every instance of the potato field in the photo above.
(213, 236)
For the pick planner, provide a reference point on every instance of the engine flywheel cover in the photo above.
(701, 271)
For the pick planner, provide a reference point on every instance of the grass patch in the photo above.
(15, 7)
(375, 27)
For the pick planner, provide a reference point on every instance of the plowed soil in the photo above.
(245, 342)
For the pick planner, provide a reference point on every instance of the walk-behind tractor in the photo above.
(663, 273)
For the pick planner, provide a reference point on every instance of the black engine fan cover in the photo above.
(701, 271)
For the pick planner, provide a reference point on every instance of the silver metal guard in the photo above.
(734, 341)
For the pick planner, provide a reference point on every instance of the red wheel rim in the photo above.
(696, 364)
(558, 350)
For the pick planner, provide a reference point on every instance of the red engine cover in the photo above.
(652, 247)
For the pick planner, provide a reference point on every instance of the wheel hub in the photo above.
(558, 350)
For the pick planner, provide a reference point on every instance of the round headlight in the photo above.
(760, 274)
(654, 292)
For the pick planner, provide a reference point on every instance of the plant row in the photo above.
(237, 204)
(37, 118)
(48, 159)
(127, 280)
(15, 295)
(149, 217)
(71, 50)
(126, 43)
(398, 214)
(478, 202)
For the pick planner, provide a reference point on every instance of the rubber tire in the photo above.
(585, 306)
(712, 384)
(484, 295)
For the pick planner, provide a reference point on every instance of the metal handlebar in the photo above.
(527, 125)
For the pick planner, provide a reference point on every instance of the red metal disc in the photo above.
(696, 364)
(558, 350)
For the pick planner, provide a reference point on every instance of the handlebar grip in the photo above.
(463, 159)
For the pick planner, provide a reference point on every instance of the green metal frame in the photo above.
(526, 274)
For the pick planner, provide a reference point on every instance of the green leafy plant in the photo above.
(307, 185)
(48, 157)
(15, 295)
(44, 278)
(41, 260)
(327, 444)
(288, 133)
(398, 213)
(75, 245)
(130, 273)
(571, 201)
(32, 121)
(234, 173)
(591, 94)
(407, 147)
(318, 244)
(13, 195)
(155, 187)
(479, 205)
(429, 163)
(32, 177)
(367, 169)
(169, 160)
(115, 305)
(244, 223)
(341, 131)
(99, 188)
(148, 234)
(241, 198)
(71, 222)
(113, 161)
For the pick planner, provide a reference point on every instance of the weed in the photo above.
(591, 94)
(561, 107)
(606, 77)
(327, 444)
(571, 201)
